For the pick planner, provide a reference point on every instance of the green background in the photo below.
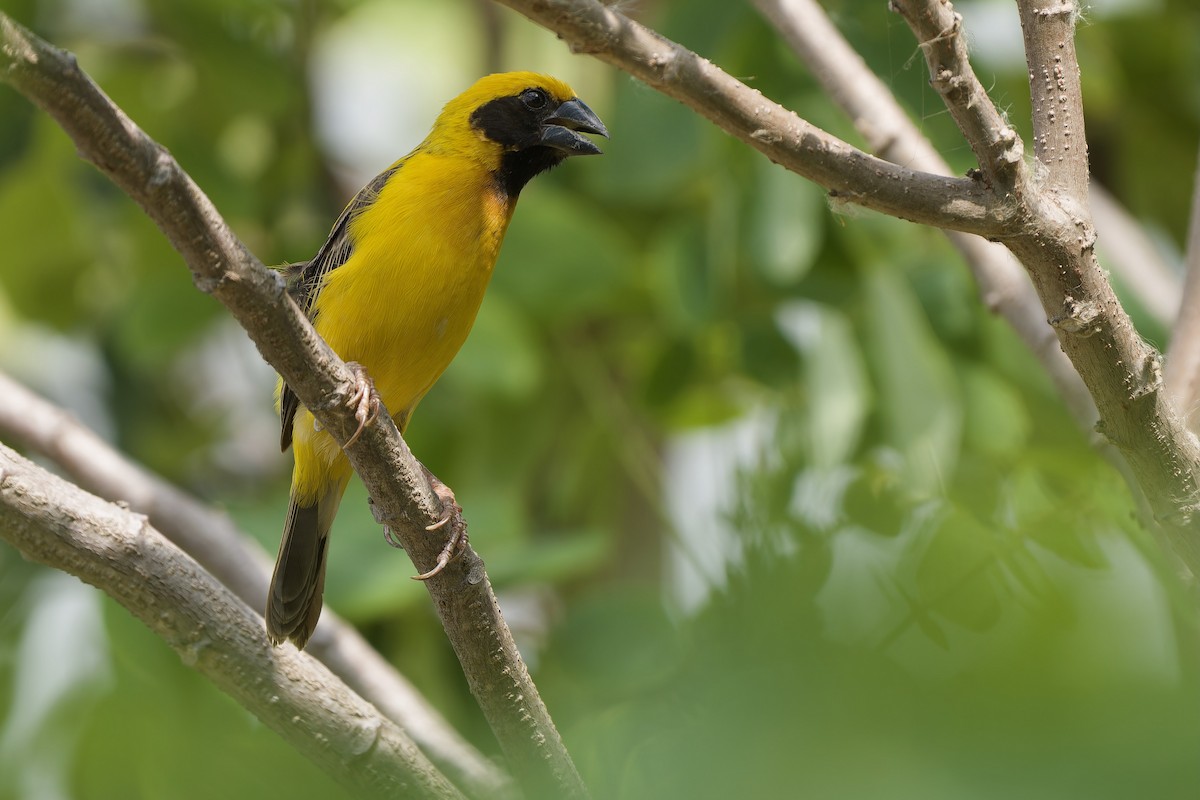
(775, 507)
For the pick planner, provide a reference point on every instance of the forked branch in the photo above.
(1045, 224)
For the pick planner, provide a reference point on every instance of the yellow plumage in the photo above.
(398, 285)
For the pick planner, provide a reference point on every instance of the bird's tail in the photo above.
(294, 601)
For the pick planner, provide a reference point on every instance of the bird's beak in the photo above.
(561, 131)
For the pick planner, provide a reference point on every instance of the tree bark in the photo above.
(237, 561)
(55, 523)
(878, 117)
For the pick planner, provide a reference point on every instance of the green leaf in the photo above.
(1073, 544)
(560, 556)
(673, 370)
(786, 224)
(655, 149)
(1021, 565)
(1066, 526)
(955, 573)
(559, 259)
(682, 280)
(501, 356)
(40, 215)
(834, 377)
(997, 422)
(918, 400)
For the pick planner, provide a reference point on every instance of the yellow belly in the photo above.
(403, 303)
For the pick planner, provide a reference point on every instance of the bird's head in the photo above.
(518, 124)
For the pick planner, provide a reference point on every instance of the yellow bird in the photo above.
(398, 283)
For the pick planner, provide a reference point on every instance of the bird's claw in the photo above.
(457, 543)
(391, 538)
(365, 400)
(454, 548)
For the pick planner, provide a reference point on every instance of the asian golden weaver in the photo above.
(397, 285)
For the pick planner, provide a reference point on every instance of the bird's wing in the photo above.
(304, 281)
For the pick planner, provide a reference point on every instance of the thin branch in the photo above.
(782, 136)
(1059, 142)
(58, 524)
(878, 117)
(241, 564)
(1057, 246)
(1170, 515)
(997, 147)
(1053, 236)
(1005, 289)
(402, 494)
(1183, 355)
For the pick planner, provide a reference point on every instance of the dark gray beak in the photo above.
(563, 128)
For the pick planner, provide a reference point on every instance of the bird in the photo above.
(396, 287)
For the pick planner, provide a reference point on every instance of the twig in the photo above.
(240, 563)
(1183, 354)
(847, 172)
(1054, 238)
(1056, 94)
(222, 266)
(878, 117)
(998, 148)
(55, 523)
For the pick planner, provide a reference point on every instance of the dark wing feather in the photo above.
(305, 278)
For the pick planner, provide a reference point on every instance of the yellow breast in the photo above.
(404, 302)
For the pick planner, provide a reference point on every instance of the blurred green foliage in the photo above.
(779, 509)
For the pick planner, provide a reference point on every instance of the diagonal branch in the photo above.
(1053, 236)
(238, 562)
(878, 117)
(1057, 246)
(58, 524)
(997, 147)
(400, 488)
(848, 173)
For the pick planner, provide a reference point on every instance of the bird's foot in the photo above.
(457, 543)
(392, 538)
(365, 400)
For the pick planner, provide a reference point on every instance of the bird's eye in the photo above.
(534, 99)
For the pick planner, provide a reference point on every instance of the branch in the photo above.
(1048, 229)
(55, 523)
(848, 173)
(878, 117)
(997, 147)
(242, 565)
(402, 495)
(1054, 238)
(1183, 354)
(1059, 143)
(1057, 246)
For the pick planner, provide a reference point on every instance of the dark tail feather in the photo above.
(294, 602)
